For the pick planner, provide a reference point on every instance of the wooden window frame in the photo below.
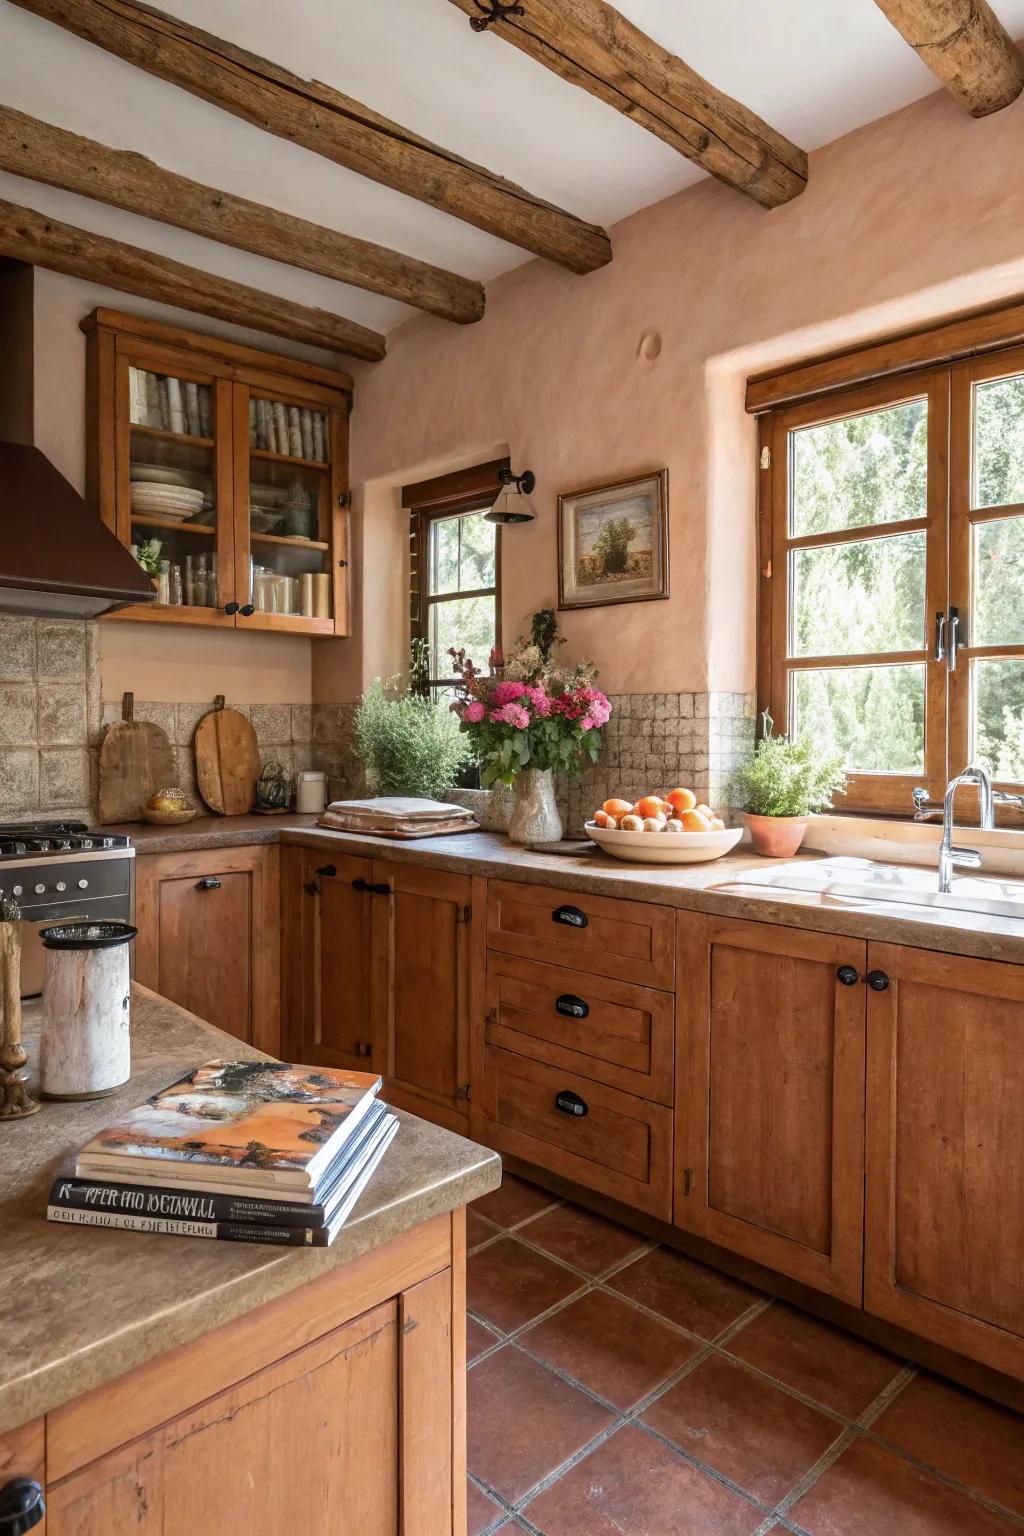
(429, 501)
(971, 349)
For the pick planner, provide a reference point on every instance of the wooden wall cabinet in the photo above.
(337, 1410)
(378, 975)
(209, 937)
(944, 1243)
(268, 549)
(770, 1116)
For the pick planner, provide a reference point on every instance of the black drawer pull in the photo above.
(22, 1505)
(571, 916)
(572, 1006)
(571, 1104)
(208, 883)
(380, 888)
(877, 981)
(848, 975)
(312, 887)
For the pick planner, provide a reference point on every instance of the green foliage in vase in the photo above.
(787, 778)
(149, 556)
(544, 632)
(612, 544)
(408, 744)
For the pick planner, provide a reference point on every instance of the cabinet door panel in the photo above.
(421, 946)
(945, 1228)
(336, 1024)
(771, 1104)
(310, 1443)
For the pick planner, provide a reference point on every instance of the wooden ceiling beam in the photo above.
(52, 155)
(29, 236)
(329, 123)
(966, 46)
(592, 45)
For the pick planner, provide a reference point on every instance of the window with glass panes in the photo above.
(893, 577)
(456, 569)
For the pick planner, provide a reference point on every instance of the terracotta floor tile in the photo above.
(610, 1347)
(632, 1485)
(477, 1229)
(512, 1202)
(749, 1431)
(581, 1238)
(508, 1285)
(478, 1338)
(977, 1442)
(524, 1422)
(826, 1364)
(684, 1291)
(483, 1511)
(871, 1491)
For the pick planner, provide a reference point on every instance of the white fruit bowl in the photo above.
(664, 847)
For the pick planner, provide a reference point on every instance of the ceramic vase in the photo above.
(535, 817)
(777, 837)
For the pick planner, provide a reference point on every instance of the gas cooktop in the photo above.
(19, 840)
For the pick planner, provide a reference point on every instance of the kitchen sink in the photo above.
(862, 882)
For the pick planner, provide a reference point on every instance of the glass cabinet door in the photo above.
(288, 522)
(174, 486)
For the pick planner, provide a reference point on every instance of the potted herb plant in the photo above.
(408, 744)
(534, 718)
(781, 787)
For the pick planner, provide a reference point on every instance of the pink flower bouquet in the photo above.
(535, 715)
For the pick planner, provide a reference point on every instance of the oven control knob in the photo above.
(40, 890)
(83, 885)
(15, 890)
(62, 885)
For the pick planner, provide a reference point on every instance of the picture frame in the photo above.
(613, 543)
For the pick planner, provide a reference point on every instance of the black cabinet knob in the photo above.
(327, 869)
(231, 607)
(22, 1506)
(572, 1006)
(375, 888)
(848, 975)
(571, 1104)
(572, 917)
(246, 609)
(877, 981)
(208, 883)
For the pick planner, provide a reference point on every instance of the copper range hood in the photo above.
(57, 559)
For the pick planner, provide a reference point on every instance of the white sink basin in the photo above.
(861, 882)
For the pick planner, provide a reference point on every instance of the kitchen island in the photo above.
(176, 1385)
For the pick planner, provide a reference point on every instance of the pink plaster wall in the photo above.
(913, 217)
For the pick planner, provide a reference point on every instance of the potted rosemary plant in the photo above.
(781, 787)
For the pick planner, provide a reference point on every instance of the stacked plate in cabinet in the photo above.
(172, 501)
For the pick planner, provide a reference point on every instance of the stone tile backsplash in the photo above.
(49, 717)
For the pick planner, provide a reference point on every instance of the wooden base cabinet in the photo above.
(770, 1096)
(945, 1152)
(380, 964)
(209, 938)
(337, 1410)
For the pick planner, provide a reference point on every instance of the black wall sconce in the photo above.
(512, 503)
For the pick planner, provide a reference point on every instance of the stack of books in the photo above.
(244, 1151)
(397, 816)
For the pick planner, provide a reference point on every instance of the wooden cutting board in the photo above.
(136, 759)
(227, 761)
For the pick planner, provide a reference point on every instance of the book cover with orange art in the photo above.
(255, 1117)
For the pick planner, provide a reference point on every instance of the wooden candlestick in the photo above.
(15, 1103)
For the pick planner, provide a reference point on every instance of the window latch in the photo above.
(939, 654)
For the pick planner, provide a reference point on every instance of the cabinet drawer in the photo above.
(628, 940)
(620, 1145)
(613, 1032)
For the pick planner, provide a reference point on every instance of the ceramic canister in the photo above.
(85, 1049)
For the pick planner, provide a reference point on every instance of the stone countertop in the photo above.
(717, 887)
(82, 1305)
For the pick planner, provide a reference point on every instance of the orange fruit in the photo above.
(695, 821)
(602, 819)
(648, 805)
(717, 824)
(705, 810)
(616, 808)
(631, 824)
(682, 799)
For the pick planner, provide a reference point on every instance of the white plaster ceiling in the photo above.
(815, 69)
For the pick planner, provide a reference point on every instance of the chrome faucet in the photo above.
(951, 857)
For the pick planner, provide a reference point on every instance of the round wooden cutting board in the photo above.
(227, 762)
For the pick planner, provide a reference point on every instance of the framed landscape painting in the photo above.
(613, 543)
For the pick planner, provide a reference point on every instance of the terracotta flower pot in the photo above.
(777, 837)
